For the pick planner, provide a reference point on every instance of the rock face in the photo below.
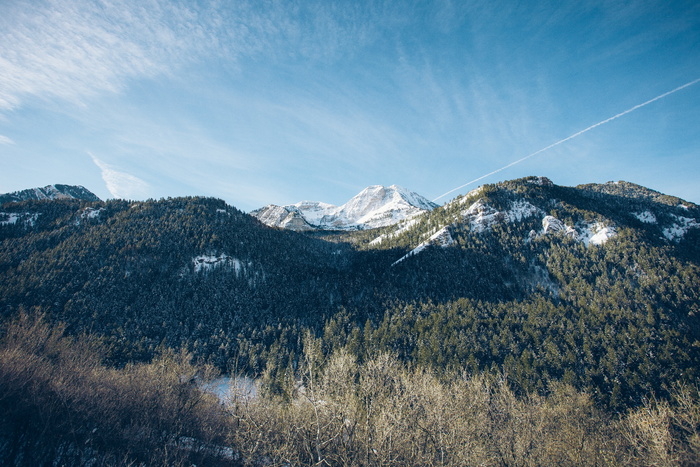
(50, 192)
(375, 206)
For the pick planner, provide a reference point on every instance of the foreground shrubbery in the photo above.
(382, 413)
(60, 405)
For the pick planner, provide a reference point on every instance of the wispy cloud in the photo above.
(5, 140)
(121, 184)
(74, 49)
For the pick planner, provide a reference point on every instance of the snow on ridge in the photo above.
(403, 227)
(474, 192)
(271, 214)
(647, 217)
(312, 211)
(678, 229)
(596, 233)
(287, 217)
(541, 181)
(482, 216)
(413, 198)
(50, 192)
(380, 206)
(441, 238)
(520, 210)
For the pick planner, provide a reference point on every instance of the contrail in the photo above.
(632, 109)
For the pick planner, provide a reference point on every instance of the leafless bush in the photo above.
(60, 404)
(663, 433)
(382, 412)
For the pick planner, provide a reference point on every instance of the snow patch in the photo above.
(520, 210)
(551, 224)
(11, 218)
(206, 263)
(647, 217)
(229, 389)
(482, 216)
(678, 229)
(590, 234)
(441, 238)
(602, 236)
(403, 227)
(91, 213)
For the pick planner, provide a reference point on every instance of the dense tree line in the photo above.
(618, 321)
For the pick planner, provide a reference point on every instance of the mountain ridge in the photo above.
(375, 206)
(50, 192)
(490, 275)
(619, 204)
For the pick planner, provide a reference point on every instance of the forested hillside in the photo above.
(595, 287)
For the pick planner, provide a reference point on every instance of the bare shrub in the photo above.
(382, 412)
(59, 404)
(663, 433)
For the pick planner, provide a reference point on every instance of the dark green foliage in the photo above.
(618, 320)
(128, 273)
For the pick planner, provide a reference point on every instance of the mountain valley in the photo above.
(595, 286)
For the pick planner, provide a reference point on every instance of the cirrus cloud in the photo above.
(75, 49)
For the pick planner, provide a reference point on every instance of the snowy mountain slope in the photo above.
(284, 217)
(590, 214)
(50, 192)
(375, 206)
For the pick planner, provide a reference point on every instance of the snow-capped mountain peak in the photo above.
(375, 206)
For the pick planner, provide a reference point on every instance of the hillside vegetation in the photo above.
(532, 323)
(61, 405)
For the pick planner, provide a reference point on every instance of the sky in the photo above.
(274, 102)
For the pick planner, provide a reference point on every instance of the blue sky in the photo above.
(281, 101)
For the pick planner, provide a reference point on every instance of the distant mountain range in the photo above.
(375, 206)
(50, 192)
